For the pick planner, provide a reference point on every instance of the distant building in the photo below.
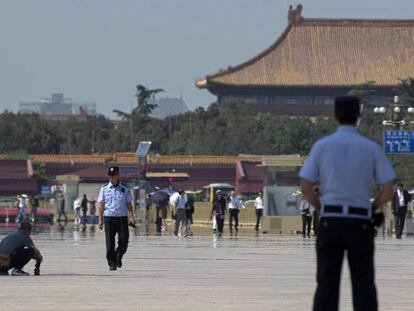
(168, 106)
(317, 59)
(58, 108)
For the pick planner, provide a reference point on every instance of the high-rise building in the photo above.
(58, 108)
(168, 106)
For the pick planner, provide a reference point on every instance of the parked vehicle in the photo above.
(209, 191)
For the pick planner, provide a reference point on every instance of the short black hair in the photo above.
(400, 184)
(25, 226)
(347, 109)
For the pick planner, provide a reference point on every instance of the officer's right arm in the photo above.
(384, 175)
(310, 175)
(101, 205)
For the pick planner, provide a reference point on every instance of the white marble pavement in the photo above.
(196, 273)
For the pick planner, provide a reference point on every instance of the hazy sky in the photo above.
(98, 50)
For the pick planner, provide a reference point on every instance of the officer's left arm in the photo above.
(129, 206)
(309, 194)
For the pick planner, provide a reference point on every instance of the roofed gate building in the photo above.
(315, 60)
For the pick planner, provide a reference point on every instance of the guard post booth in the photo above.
(281, 181)
(140, 194)
(70, 189)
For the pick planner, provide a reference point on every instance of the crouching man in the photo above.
(16, 250)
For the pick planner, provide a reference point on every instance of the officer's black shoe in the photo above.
(112, 268)
(119, 263)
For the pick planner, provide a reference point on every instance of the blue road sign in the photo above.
(398, 142)
(45, 189)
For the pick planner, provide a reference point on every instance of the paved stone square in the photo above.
(267, 272)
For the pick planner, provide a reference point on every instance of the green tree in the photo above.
(365, 91)
(406, 91)
(144, 106)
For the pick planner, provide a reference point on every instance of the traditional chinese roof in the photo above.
(315, 52)
(185, 159)
(283, 160)
(71, 159)
(129, 158)
(16, 176)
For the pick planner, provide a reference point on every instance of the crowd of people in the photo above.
(222, 206)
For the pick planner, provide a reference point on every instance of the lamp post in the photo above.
(397, 114)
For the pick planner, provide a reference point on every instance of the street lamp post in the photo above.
(397, 114)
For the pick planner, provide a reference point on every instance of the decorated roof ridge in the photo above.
(131, 158)
(295, 19)
(74, 158)
(355, 22)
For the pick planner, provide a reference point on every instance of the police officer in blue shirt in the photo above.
(115, 204)
(345, 165)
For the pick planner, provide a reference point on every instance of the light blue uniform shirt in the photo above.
(115, 199)
(180, 202)
(346, 164)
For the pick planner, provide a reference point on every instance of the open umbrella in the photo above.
(159, 197)
(143, 184)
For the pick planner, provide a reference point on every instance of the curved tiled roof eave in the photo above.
(220, 78)
(252, 60)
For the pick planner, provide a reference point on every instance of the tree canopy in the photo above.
(228, 128)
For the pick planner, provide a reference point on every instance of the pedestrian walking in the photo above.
(399, 208)
(114, 208)
(61, 209)
(77, 210)
(84, 205)
(218, 211)
(180, 214)
(92, 207)
(234, 204)
(21, 205)
(345, 164)
(17, 249)
(34, 205)
(258, 203)
(306, 210)
(189, 209)
(164, 214)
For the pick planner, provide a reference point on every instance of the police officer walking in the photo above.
(114, 205)
(345, 164)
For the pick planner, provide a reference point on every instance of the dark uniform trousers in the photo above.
(356, 237)
(113, 226)
(233, 214)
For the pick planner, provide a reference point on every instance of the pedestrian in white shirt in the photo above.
(77, 209)
(258, 203)
(306, 210)
(233, 204)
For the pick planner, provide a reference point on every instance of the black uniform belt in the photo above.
(351, 210)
